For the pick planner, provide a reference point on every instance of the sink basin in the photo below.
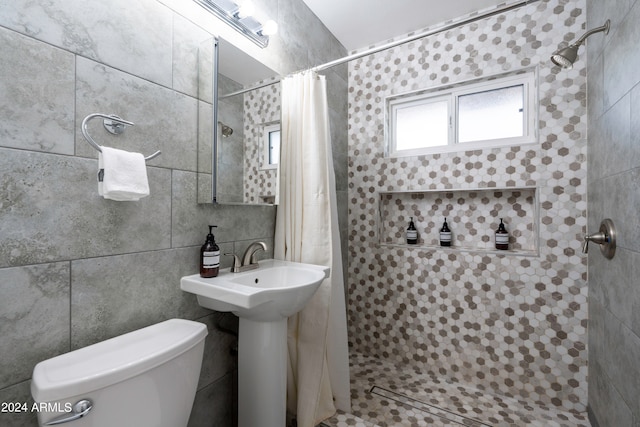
(263, 299)
(275, 290)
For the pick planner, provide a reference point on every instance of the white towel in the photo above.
(122, 175)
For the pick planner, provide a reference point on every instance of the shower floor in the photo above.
(383, 395)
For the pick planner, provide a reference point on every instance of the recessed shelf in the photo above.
(473, 216)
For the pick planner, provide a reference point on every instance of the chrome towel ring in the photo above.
(114, 125)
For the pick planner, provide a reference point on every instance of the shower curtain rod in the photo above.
(446, 27)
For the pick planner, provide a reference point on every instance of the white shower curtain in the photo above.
(307, 231)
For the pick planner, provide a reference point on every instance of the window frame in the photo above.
(267, 129)
(527, 78)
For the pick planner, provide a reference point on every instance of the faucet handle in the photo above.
(605, 238)
(236, 262)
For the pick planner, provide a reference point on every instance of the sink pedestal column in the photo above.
(262, 373)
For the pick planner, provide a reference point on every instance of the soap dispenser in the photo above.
(445, 234)
(502, 237)
(412, 233)
(210, 256)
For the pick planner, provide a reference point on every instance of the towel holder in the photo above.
(113, 124)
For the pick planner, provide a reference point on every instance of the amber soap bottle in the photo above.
(412, 233)
(502, 237)
(445, 234)
(210, 256)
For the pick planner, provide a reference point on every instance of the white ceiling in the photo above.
(361, 23)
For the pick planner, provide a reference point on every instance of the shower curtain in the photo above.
(307, 231)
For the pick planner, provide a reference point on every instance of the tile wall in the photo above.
(261, 107)
(614, 180)
(75, 268)
(514, 325)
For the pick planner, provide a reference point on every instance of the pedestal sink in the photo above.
(263, 299)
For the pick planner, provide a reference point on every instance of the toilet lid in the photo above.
(114, 360)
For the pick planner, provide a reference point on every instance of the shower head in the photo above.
(226, 130)
(565, 57)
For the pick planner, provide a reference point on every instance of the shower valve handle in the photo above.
(599, 238)
(605, 238)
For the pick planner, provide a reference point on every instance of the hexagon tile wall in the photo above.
(509, 323)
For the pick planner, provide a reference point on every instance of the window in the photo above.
(490, 113)
(271, 146)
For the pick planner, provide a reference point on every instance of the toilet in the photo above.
(146, 378)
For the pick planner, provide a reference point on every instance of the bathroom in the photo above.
(75, 269)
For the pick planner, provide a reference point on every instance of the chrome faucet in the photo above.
(248, 262)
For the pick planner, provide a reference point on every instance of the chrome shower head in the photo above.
(566, 56)
(226, 130)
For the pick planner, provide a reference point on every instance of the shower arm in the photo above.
(604, 28)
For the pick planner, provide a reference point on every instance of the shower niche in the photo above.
(473, 215)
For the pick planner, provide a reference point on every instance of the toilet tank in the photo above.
(146, 378)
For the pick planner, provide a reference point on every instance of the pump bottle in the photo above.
(445, 234)
(412, 233)
(210, 256)
(502, 237)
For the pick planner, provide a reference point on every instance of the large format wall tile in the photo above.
(34, 321)
(614, 179)
(118, 294)
(220, 347)
(187, 40)
(164, 119)
(215, 402)
(20, 393)
(51, 211)
(131, 36)
(622, 57)
(190, 221)
(37, 87)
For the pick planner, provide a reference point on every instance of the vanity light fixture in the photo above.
(565, 57)
(238, 16)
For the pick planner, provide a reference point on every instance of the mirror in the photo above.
(238, 164)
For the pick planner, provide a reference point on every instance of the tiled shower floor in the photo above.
(383, 396)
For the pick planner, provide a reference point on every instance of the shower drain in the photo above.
(427, 407)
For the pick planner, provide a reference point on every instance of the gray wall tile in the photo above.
(34, 321)
(37, 89)
(220, 348)
(187, 39)
(118, 294)
(215, 402)
(131, 36)
(164, 119)
(611, 151)
(190, 223)
(52, 211)
(614, 179)
(605, 400)
(622, 57)
(20, 393)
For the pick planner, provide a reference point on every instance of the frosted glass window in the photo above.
(270, 146)
(274, 147)
(423, 124)
(492, 114)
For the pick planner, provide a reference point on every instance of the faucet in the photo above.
(248, 263)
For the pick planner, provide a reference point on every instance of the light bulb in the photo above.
(269, 28)
(244, 10)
